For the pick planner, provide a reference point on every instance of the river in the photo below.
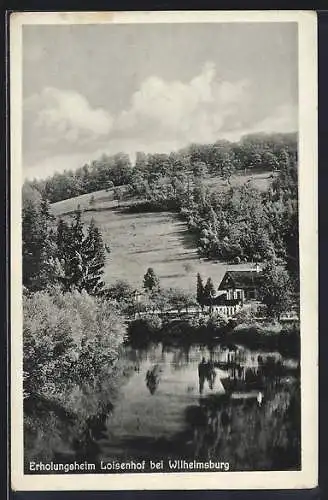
(162, 412)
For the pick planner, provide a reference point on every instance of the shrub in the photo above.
(142, 330)
(244, 316)
(70, 341)
(217, 322)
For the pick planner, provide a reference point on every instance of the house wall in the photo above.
(235, 293)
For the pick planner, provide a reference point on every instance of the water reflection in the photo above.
(153, 378)
(192, 401)
(206, 372)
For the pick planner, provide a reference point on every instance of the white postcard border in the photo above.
(307, 477)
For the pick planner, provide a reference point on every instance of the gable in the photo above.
(227, 282)
(247, 279)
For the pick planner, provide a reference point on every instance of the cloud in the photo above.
(282, 119)
(192, 111)
(65, 115)
(62, 130)
(58, 162)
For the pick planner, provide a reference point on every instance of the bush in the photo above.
(144, 329)
(217, 322)
(70, 341)
(244, 316)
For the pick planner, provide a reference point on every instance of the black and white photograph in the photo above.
(163, 250)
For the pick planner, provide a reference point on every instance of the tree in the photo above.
(141, 161)
(209, 289)
(39, 246)
(121, 173)
(118, 194)
(81, 257)
(109, 185)
(150, 281)
(270, 161)
(200, 290)
(71, 258)
(227, 168)
(209, 292)
(179, 299)
(275, 290)
(199, 169)
(120, 291)
(92, 260)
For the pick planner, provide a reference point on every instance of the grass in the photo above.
(157, 240)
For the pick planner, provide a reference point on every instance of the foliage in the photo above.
(39, 249)
(209, 290)
(216, 322)
(200, 289)
(120, 291)
(82, 257)
(244, 315)
(150, 280)
(70, 341)
(142, 330)
(276, 289)
(223, 158)
(179, 299)
(253, 437)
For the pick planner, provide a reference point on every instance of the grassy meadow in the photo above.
(157, 240)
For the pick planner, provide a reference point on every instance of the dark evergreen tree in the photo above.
(81, 258)
(74, 264)
(200, 290)
(69, 243)
(150, 281)
(64, 244)
(209, 292)
(39, 248)
(93, 260)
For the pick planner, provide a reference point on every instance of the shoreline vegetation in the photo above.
(77, 324)
(253, 335)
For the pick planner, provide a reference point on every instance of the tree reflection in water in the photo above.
(249, 436)
(153, 378)
(207, 373)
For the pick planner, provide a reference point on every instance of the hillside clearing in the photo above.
(158, 240)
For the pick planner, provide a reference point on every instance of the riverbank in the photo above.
(268, 336)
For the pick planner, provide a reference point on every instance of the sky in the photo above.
(94, 89)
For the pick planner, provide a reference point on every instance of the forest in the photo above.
(223, 159)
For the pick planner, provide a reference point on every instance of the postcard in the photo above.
(164, 309)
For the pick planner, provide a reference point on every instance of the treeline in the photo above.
(222, 158)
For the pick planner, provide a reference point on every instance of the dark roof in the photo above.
(241, 279)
